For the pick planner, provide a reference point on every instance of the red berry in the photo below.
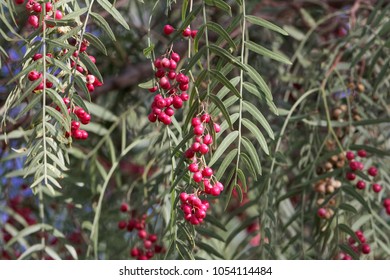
(362, 153)
(165, 62)
(215, 191)
(33, 75)
(19, 2)
(366, 249)
(153, 89)
(75, 125)
(350, 155)
(184, 96)
(164, 83)
(122, 224)
(169, 111)
(361, 185)
(172, 64)
(77, 134)
(193, 33)
(152, 117)
(175, 57)
(205, 118)
(388, 210)
(203, 149)
(372, 171)
(152, 238)
(37, 56)
(142, 234)
(207, 139)
(197, 177)
(124, 207)
(386, 202)
(193, 167)
(351, 176)
(84, 134)
(134, 252)
(186, 32)
(376, 187)
(354, 165)
(195, 122)
(58, 15)
(168, 29)
(207, 172)
(321, 212)
(86, 119)
(92, 58)
(183, 87)
(37, 8)
(198, 130)
(217, 128)
(147, 244)
(177, 102)
(172, 75)
(49, 6)
(183, 197)
(33, 21)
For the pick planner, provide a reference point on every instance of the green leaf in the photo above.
(209, 249)
(253, 154)
(60, 118)
(227, 141)
(352, 192)
(223, 80)
(241, 226)
(257, 133)
(348, 207)
(147, 85)
(307, 17)
(114, 12)
(209, 233)
(266, 52)
(25, 71)
(222, 33)
(221, 107)
(226, 55)
(259, 117)
(225, 163)
(347, 249)
(81, 84)
(102, 23)
(264, 23)
(259, 81)
(31, 250)
(75, 14)
(95, 41)
(31, 104)
(349, 231)
(219, 4)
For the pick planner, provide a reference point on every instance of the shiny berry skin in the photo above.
(33, 21)
(207, 172)
(142, 234)
(177, 102)
(183, 197)
(351, 176)
(168, 29)
(207, 139)
(184, 96)
(205, 118)
(37, 8)
(372, 171)
(198, 130)
(124, 207)
(186, 32)
(175, 57)
(321, 212)
(203, 149)
(152, 238)
(134, 252)
(361, 185)
(197, 177)
(195, 122)
(152, 117)
(350, 155)
(33, 75)
(122, 224)
(386, 203)
(366, 249)
(193, 167)
(354, 165)
(376, 188)
(58, 15)
(362, 153)
(217, 128)
(193, 33)
(49, 6)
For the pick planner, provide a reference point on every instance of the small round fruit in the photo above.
(321, 213)
(376, 187)
(168, 29)
(186, 32)
(362, 153)
(350, 155)
(372, 171)
(361, 185)
(366, 249)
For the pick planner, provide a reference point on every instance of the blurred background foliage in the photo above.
(333, 98)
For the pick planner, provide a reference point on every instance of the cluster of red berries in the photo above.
(361, 247)
(186, 33)
(355, 165)
(83, 118)
(193, 208)
(172, 84)
(35, 9)
(149, 245)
